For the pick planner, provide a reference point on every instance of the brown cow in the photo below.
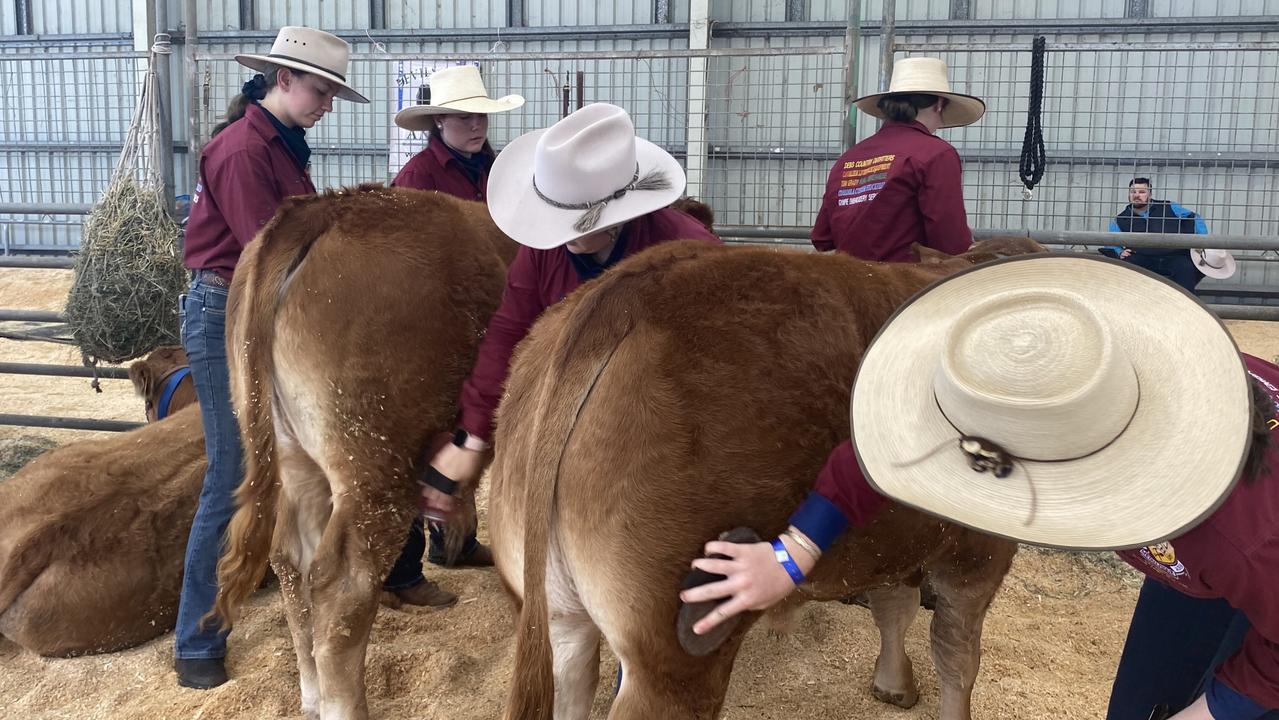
(689, 391)
(92, 534)
(152, 376)
(352, 321)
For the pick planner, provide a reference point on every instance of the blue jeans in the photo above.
(407, 570)
(1177, 267)
(203, 311)
(1175, 645)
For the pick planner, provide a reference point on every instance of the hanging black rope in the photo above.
(1033, 158)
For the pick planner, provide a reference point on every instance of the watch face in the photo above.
(459, 438)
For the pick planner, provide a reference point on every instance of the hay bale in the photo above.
(15, 453)
(128, 276)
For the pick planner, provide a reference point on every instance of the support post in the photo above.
(195, 141)
(887, 43)
(852, 71)
(699, 38)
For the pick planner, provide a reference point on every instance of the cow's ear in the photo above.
(142, 377)
(929, 255)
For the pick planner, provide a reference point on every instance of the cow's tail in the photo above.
(256, 295)
(592, 331)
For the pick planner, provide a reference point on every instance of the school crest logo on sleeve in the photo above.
(1164, 558)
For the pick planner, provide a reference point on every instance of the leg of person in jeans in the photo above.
(1171, 642)
(1230, 643)
(406, 581)
(1182, 270)
(199, 650)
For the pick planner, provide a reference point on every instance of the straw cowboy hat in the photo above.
(1121, 403)
(457, 89)
(1218, 264)
(927, 76)
(308, 50)
(585, 173)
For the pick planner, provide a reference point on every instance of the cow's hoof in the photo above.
(690, 613)
(903, 699)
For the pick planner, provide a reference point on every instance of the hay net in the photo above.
(128, 270)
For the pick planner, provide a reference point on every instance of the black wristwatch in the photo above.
(467, 441)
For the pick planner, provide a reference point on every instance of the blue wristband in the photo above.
(786, 561)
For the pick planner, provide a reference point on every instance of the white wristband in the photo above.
(474, 443)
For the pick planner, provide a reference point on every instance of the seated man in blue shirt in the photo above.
(1158, 216)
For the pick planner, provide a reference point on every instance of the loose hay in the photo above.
(15, 453)
(123, 300)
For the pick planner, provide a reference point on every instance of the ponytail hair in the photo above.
(253, 90)
(904, 107)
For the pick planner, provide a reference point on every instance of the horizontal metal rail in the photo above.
(17, 315)
(799, 236)
(68, 423)
(45, 208)
(1269, 313)
(44, 369)
(45, 262)
(542, 56)
(935, 47)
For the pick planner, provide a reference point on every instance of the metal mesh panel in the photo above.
(1195, 117)
(60, 137)
(773, 114)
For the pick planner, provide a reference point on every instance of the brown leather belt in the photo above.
(211, 278)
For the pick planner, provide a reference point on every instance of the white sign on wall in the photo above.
(411, 77)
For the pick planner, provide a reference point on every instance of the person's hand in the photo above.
(457, 464)
(1125, 253)
(754, 580)
(1198, 710)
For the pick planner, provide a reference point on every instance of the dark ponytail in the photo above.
(253, 90)
(1263, 412)
(904, 107)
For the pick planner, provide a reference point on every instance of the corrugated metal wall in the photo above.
(67, 17)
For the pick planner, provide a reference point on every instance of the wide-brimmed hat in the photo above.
(584, 173)
(308, 50)
(927, 76)
(1218, 264)
(458, 89)
(1104, 407)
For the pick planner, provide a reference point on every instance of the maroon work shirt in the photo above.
(537, 280)
(245, 173)
(1234, 555)
(435, 168)
(901, 185)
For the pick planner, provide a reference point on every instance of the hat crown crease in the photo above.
(586, 160)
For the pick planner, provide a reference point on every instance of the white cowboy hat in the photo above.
(308, 50)
(458, 89)
(927, 76)
(585, 173)
(1123, 400)
(1218, 264)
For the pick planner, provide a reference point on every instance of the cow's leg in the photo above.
(894, 609)
(673, 688)
(966, 582)
(300, 521)
(575, 642)
(345, 586)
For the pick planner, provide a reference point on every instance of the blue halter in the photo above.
(170, 386)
